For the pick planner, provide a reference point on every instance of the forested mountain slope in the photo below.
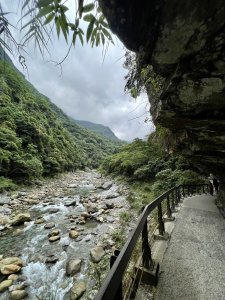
(98, 128)
(37, 138)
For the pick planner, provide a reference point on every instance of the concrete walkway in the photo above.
(193, 266)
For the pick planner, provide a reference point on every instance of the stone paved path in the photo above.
(193, 267)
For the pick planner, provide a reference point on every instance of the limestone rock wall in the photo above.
(185, 43)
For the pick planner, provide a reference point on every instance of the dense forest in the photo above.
(150, 169)
(36, 138)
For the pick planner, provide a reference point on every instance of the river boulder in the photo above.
(5, 284)
(10, 269)
(73, 266)
(20, 219)
(97, 254)
(18, 295)
(77, 290)
(14, 260)
(107, 185)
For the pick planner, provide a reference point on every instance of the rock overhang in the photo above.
(185, 43)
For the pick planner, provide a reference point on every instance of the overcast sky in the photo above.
(88, 88)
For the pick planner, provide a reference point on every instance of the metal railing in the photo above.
(112, 286)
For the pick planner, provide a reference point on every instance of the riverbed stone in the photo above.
(54, 238)
(91, 208)
(97, 254)
(51, 259)
(107, 185)
(73, 201)
(13, 277)
(17, 231)
(14, 260)
(82, 222)
(10, 269)
(112, 195)
(54, 232)
(73, 266)
(18, 295)
(85, 215)
(110, 205)
(39, 221)
(100, 219)
(77, 290)
(49, 225)
(20, 219)
(73, 234)
(5, 284)
(4, 219)
(2, 228)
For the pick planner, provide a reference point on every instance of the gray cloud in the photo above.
(90, 89)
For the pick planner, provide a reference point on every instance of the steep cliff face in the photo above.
(185, 43)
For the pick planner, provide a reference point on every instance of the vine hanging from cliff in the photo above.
(140, 79)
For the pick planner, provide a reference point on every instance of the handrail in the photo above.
(114, 278)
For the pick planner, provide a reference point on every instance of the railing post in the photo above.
(169, 212)
(147, 255)
(160, 220)
(178, 194)
(172, 202)
(183, 189)
(176, 197)
(119, 294)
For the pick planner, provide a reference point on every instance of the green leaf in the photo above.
(74, 38)
(89, 18)
(77, 22)
(101, 18)
(72, 26)
(105, 24)
(63, 20)
(49, 18)
(93, 36)
(88, 7)
(63, 26)
(64, 8)
(97, 41)
(89, 30)
(106, 33)
(81, 38)
(57, 24)
(44, 3)
(103, 39)
(44, 11)
(80, 7)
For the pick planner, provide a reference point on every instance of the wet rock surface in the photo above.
(60, 223)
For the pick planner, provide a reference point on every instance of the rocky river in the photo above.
(54, 235)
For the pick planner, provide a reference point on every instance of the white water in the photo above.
(47, 282)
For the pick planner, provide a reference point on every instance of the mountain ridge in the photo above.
(98, 128)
